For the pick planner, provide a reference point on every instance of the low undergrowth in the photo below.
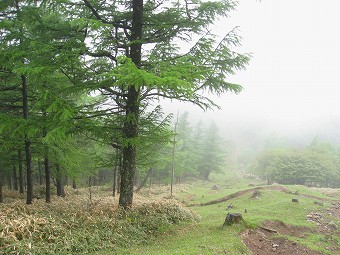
(73, 225)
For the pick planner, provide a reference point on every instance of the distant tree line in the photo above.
(316, 165)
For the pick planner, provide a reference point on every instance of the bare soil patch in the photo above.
(262, 242)
(283, 229)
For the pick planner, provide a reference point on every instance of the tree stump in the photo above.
(232, 218)
(256, 194)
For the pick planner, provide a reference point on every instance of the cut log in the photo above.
(232, 218)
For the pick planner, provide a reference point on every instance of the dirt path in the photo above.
(242, 192)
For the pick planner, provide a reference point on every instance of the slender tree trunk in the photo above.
(47, 179)
(24, 87)
(118, 173)
(148, 175)
(29, 179)
(40, 173)
(60, 185)
(150, 183)
(131, 122)
(21, 174)
(15, 178)
(9, 182)
(173, 158)
(47, 168)
(74, 184)
(1, 183)
(114, 186)
(90, 190)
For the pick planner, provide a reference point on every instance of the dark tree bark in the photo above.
(74, 184)
(15, 178)
(1, 183)
(130, 129)
(47, 179)
(40, 175)
(47, 168)
(21, 174)
(115, 170)
(29, 180)
(9, 181)
(118, 174)
(60, 185)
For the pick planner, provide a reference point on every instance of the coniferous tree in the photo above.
(212, 156)
(139, 76)
(103, 48)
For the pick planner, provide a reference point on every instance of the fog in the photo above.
(291, 86)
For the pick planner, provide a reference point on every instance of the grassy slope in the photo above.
(208, 237)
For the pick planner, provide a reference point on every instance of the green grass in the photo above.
(209, 237)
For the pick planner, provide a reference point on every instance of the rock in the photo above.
(256, 194)
(230, 206)
(232, 218)
(331, 225)
(215, 187)
(318, 203)
(295, 200)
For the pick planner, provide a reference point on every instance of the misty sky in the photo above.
(292, 82)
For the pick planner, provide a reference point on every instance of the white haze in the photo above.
(291, 86)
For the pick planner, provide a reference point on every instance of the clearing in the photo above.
(157, 224)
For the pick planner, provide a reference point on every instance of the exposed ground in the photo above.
(273, 224)
(276, 237)
(271, 237)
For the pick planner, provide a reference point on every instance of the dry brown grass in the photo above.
(77, 224)
(328, 192)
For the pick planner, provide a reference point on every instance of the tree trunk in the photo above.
(148, 175)
(47, 169)
(15, 178)
(60, 185)
(9, 181)
(21, 174)
(114, 186)
(29, 180)
(150, 182)
(1, 199)
(40, 173)
(47, 178)
(131, 121)
(173, 158)
(74, 184)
